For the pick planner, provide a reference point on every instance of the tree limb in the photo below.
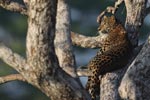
(136, 81)
(12, 77)
(11, 58)
(134, 18)
(109, 9)
(63, 44)
(84, 72)
(41, 56)
(92, 42)
(85, 41)
(13, 6)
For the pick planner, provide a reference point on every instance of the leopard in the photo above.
(114, 53)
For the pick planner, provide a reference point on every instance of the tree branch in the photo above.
(109, 10)
(63, 44)
(135, 83)
(134, 18)
(13, 6)
(84, 72)
(85, 41)
(12, 77)
(11, 58)
(41, 56)
(92, 42)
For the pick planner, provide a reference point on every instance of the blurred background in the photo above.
(13, 28)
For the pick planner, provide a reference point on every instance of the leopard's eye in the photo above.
(104, 31)
(108, 29)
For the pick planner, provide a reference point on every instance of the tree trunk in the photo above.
(135, 84)
(41, 68)
(46, 73)
(55, 73)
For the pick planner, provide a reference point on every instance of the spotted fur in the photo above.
(114, 53)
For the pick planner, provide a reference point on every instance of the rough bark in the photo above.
(46, 74)
(135, 84)
(85, 41)
(109, 85)
(134, 18)
(41, 69)
(63, 44)
(13, 59)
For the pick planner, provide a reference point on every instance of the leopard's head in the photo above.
(107, 24)
(111, 32)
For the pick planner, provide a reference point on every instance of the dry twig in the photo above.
(12, 77)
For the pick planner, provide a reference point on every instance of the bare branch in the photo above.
(12, 77)
(85, 41)
(13, 6)
(109, 10)
(11, 58)
(118, 3)
(63, 44)
(41, 56)
(84, 72)
(134, 18)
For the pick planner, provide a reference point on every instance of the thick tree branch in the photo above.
(93, 42)
(13, 6)
(84, 72)
(136, 81)
(12, 77)
(85, 41)
(134, 18)
(44, 65)
(63, 44)
(12, 59)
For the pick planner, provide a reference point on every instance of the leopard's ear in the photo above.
(105, 17)
(113, 20)
(112, 17)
